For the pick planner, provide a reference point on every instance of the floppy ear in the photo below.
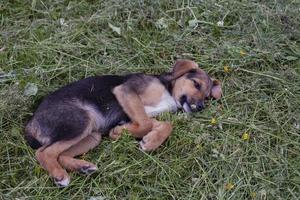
(181, 67)
(216, 91)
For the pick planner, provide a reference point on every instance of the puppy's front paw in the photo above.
(151, 141)
(116, 132)
(160, 132)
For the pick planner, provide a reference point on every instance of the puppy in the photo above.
(72, 120)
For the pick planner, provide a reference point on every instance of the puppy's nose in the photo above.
(200, 105)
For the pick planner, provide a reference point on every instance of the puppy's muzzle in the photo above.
(188, 107)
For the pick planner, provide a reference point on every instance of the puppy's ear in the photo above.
(181, 67)
(216, 91)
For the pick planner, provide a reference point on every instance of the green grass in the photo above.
(52, 43)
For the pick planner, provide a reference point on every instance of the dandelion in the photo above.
(229, 186)
(242, 53)
(246, 136)
(226, 69)
(213, 121)
(253, 195)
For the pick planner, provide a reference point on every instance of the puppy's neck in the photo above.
(167, 81)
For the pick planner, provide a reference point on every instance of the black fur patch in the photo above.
(166, 79)
(33, 143)
(137, 82)
(193, 74)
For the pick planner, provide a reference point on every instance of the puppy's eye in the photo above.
(197, 85)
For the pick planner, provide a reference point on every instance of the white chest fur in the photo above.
(166, 104)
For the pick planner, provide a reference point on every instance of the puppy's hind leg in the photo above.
(67, 160)
(48, 159)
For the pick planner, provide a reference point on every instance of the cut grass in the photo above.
(52, 43)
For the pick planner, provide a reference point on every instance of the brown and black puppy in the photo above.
(72, 120)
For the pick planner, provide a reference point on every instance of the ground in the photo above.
(244, 146)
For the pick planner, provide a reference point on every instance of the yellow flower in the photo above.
(213, 121)
(253, 195)
(226, 68)
(242, 53)
(229, 186)
(246, 136)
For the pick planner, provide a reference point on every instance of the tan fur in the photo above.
(186, 86)
(133, 105)
(152, 94)
(181, 67)
(134, 108)
(48, 156)
(153, 139)
(159, 133)
(67, 160)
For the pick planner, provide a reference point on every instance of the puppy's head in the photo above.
(192, 86)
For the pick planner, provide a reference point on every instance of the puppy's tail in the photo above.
(33, 143)
(31, 140)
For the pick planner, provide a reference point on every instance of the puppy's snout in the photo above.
(200, 105)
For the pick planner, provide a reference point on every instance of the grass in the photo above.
(52, 43)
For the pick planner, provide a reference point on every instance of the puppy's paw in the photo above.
(88, 169)
(116, 132)
(151, 141)
(62, 181)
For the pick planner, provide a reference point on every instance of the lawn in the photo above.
(244, 146)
